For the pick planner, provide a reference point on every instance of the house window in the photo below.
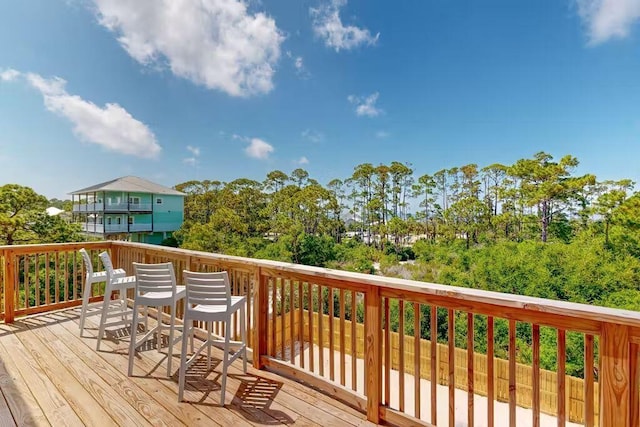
(109, 221)
(130, 220)
(118, 220)
(158, 201)
(134, 200)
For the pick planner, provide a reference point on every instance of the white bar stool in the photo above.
(209, 300)
(155, 286)
(90, 279)
(117, 310)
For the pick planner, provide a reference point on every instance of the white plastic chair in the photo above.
(114, 309)
(90, 279)
(155, 287)
(209, 300)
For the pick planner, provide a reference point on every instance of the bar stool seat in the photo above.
(114, 312)
(92, 277)
(155, 286)
(209, 300)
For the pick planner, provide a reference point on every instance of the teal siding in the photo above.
(141, 218)
(152, 221)
(169, 215)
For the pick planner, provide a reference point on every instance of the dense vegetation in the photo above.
(531, 228)
(23, 219)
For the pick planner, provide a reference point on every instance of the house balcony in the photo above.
(135, 228)
(88, 207)
(140, 207)
(350, 336)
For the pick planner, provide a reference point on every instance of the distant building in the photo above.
(129, 208)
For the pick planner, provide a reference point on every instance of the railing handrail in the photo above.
(542, 306)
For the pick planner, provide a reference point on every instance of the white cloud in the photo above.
(607, 19)
(111, 126)
(366, 106)
(312, 135)
(302, 161)
(193, 160)
(9, 75)
(298, 64)
(328, 26)
(194, 150)
(214, 43)
(382, 134)
(259, 149)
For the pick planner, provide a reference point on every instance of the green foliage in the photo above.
(23, 219)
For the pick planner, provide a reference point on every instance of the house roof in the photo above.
(130, 184)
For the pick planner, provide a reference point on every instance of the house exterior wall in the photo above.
(168, 215)
(143, 217)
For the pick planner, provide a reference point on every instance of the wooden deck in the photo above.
(49, 375)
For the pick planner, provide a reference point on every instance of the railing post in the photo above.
(115, 254)
(9, 286)
(615, 376)
(261, 319)
(373, 353)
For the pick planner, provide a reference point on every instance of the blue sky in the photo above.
(221, 89)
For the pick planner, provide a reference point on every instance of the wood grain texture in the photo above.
(373, 356)
(589, 406)
(67, 383)
(615, 376)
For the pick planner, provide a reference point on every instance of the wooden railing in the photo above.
(337, 331)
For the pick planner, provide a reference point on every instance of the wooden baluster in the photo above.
(452, 368)
(536, 375)
(354, 343)
(387, 354)
(512, 373)
(331, 337)
(490, 373)
(274, 317)
(301, 324)
(401, 356)
(75, 276)
(261, 327)
(373, 355)
(292, 311)
(343, 350)
(589, 403)
(416, 359)
(36, 284)
(311, 332)
(26, 281)
(249, 292)
(282, 316)
(321, 329)
(562, 357)
(57, 278)
(66, 276)
(434, 365)
(614, 376)
(47, 293)
(470, 372)
(9, 283)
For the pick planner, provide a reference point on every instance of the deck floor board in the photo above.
(49, 375)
